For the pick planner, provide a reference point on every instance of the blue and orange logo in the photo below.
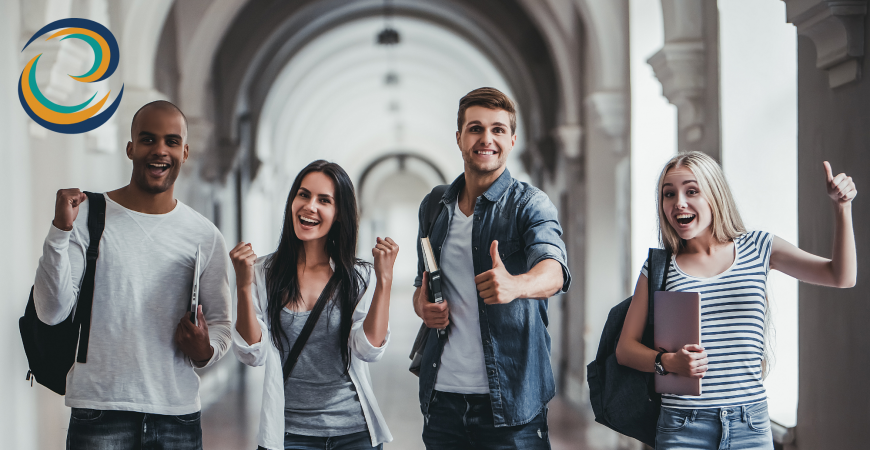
(80, 118)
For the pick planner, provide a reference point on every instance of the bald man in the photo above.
(138, 388)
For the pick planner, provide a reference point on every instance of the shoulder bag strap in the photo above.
(293, 357)
(433, 208)
(658, 264)
(96, 224)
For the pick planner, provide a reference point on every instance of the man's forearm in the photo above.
(56, 286)
(543, 281)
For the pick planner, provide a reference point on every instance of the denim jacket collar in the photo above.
(493, 194)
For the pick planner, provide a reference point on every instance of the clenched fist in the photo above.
(66, 208)
(385, 252)
(243, 258)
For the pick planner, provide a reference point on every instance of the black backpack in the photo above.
(51, 349)
(624, 399)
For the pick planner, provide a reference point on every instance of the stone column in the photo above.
(20, 422)
(688, 68)
(567, 311)
(833, 113)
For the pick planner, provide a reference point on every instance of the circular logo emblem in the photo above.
(80, 118)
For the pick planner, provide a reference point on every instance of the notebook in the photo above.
(677, 317)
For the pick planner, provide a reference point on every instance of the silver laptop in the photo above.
(194, 296)
(677, 318)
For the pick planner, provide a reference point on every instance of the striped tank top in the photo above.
(732, 325)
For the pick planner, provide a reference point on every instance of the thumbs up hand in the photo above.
(841, 189)
(497, 286)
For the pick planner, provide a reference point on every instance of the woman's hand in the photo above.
(243, 258)
(841, 189)
(385, 252)
(689, 361)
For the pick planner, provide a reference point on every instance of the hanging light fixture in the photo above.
(388, 36)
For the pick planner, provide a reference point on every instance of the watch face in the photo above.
(660, 369)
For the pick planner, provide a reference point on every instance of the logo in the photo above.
(80, 118)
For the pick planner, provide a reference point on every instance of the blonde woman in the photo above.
(715, 255)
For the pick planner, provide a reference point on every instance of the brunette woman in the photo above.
(327, 400)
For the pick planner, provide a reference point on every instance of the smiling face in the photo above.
(485, 139)
(683, 204)
(158, 148)
(313, 207)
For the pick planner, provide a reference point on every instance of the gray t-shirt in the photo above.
(319, 397)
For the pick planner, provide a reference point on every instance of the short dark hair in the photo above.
(157, 104)
(487, 97)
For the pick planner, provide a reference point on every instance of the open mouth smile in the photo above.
(685, 219)
(157, 169)
(485, 152)
(308, 222)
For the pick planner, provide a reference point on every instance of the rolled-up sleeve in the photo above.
(254, 354)
(539, 222)
(359, 344)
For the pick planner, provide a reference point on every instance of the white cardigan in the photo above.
(271, 434)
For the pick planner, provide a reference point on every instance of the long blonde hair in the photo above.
(726, 224)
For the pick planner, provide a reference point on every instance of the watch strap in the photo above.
(659, 363)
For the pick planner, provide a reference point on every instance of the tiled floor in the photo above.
(230, 422)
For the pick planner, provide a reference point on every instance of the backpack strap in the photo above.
(96, 225)
(433, 207)
(657, 271)
(658, 265)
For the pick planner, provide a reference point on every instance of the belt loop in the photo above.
(743, 413)
(693, 416)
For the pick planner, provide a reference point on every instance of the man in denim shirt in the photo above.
(497, 241)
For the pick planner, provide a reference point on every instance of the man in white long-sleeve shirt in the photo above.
(138, 388)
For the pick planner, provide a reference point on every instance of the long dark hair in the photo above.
(346, 283)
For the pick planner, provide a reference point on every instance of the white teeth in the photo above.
(307, 220)
(685, 216)
(483, 152)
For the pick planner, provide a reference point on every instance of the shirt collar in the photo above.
(495, 191)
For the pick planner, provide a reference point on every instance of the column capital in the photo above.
(681, 69)
(610, 115)
(837, 30)
(569, 136)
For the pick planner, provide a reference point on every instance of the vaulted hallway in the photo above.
(607, 91)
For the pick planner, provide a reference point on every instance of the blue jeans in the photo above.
(730, 428)
(354, 441)
(464, 421)
(93, 429)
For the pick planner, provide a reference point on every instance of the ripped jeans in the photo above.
(464, 421)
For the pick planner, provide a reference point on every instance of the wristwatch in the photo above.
(660, 369)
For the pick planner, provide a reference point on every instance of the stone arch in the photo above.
(245, 68)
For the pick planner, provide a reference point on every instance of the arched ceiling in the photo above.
(267, 34)
(332, 100)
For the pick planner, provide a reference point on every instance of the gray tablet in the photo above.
(677, 317)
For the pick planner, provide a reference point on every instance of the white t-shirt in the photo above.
(463, 370)
(142, 289)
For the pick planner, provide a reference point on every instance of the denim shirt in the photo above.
(516, 345)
